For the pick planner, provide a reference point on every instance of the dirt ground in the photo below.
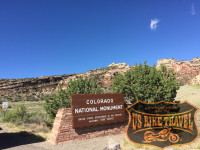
(15, 141)
(189, 93)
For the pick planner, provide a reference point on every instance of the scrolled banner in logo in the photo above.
(162, 124)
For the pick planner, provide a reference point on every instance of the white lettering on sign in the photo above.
(104, 116)
(93, 121)
(118, 114)
(101, 118)
(79, 119)
(110, 118)
(88, 109)
(105, 108)
(89, 118)
(99, 101)
(95, 109)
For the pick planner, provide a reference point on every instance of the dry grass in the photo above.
(191, 93)
(36, 124)
(32, 106)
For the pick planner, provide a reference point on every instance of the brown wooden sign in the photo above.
(97, 109)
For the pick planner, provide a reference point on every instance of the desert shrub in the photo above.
(1, 114)
(36, 118)
(62, 99)
(18, 115)
(52, 103)
(147, 84)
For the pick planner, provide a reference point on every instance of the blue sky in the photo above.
(50, 37)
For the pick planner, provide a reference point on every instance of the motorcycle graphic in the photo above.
(163, 135)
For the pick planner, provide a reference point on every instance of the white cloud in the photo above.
(154, 24)
(193, 12)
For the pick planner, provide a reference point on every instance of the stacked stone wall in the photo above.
(62, 130)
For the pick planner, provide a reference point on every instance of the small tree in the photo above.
(63, 98)
(147, 84)
(53, 102)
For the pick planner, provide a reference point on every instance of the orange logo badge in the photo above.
(162, 124)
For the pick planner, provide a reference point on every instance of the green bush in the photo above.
(147, 84)
(36, 118)
(63, 97)
(19, 115)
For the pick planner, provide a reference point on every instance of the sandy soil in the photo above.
(189, 93)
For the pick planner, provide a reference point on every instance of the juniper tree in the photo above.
(62, 99)
(147, 84)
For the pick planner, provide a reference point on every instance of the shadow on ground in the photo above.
(9, 140)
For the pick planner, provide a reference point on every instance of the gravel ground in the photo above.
(14, 141)
(92, 144)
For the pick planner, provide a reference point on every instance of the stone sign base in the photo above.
(62, 130)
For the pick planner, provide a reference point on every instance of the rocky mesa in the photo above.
(188, 72)
(103, 75)
(34, 88)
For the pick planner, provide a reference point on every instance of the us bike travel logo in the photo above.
(162, 124)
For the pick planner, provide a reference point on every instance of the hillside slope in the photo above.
(30, 89)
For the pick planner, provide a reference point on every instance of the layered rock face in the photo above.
(103, 75)
(188, 72)
(28, 88)
(34, 88)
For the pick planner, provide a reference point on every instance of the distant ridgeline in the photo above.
(32, 89)
(28, 89)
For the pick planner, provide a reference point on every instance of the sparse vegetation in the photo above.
(104, 69)
(33, 120)
(18, 115)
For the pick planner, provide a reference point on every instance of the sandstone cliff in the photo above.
(188, 72)
(103, 75)
(34, 88)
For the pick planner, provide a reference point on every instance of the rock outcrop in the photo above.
(34, 88)
(186, 71)
(103, 75)
(195, 80)
(28, 88)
